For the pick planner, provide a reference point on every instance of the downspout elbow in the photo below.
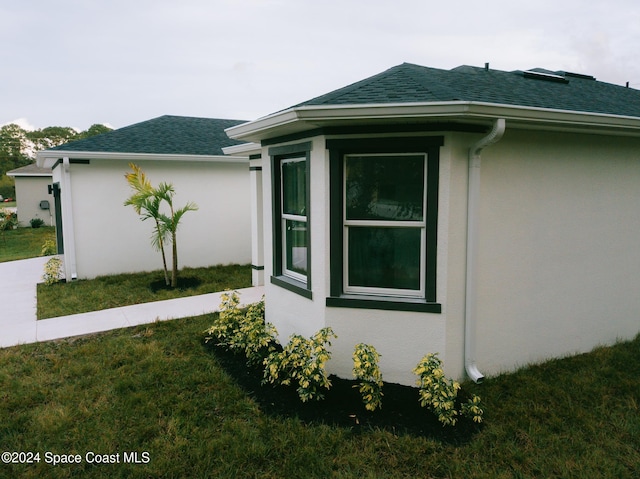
(473, 198)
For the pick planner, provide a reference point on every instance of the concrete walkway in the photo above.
(18, 324)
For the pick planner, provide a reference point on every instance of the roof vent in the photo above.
(536, 75)
(579, 75)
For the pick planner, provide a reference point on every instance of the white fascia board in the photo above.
(555, 119)
(47, 158)
(244, 149)
(31, 175)
(253, 129)
(313, 116)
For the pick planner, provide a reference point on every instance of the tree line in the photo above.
(18, 147)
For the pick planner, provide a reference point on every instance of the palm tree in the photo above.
(146, 203)
(147, 200)
(165, 191)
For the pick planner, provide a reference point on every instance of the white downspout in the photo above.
(473, 200)
(68, 228)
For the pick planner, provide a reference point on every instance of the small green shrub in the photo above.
(8, 220)
(52, 271)
(49, 248)
(367, 371)
(36, 222)
(439, 393)
(302, 361)
(243, 329)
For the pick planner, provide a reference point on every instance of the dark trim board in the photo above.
(292, 285)
(378, 129)
(387, 304)
(338, 148)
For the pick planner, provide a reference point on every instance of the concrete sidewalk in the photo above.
(18, 324)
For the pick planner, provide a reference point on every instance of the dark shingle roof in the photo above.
(408, 83)
(165, 135)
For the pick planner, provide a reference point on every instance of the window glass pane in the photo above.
(385, 187)
(296, 246)
(384, 257)
(294, 187)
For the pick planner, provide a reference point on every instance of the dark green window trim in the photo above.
(338, 148)
(277, 154)
(390, 304)
(292, 285)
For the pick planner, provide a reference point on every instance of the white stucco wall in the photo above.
(559, 259)
(30, 191)
(110, 238)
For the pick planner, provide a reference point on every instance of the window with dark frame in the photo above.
(291, 248)
(293, 212)
(384, 203)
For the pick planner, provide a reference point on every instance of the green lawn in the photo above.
(105, 292)
(23, 243)
(157, 391)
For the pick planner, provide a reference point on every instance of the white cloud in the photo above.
(22, 123)
(125, 62)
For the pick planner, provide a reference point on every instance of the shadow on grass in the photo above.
(183, 284)
(342, 406)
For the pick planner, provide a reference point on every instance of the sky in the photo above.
(118, 62)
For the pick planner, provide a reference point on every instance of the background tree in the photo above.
(51, 136)
(95, 129)
(13, 148)
(19, 146)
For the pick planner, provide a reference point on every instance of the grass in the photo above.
(158, 389)
(105, 292)
(23, 243)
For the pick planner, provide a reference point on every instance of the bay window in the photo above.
(383, 196)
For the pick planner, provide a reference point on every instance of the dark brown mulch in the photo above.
(342, 405)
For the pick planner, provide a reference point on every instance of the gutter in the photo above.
(48, 158)
(306, 117)
(68, 228)
(473, 199)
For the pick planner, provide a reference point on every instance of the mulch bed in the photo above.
(342, 405)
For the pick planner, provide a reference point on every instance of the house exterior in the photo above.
(489, 216)
(98, 235)
(34, 197)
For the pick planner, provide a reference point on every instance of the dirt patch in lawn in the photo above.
(183, 284)
(342, 405)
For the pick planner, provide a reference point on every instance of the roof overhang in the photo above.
(309, 117)
(243, 149)
(49, 158)
(30, 175)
